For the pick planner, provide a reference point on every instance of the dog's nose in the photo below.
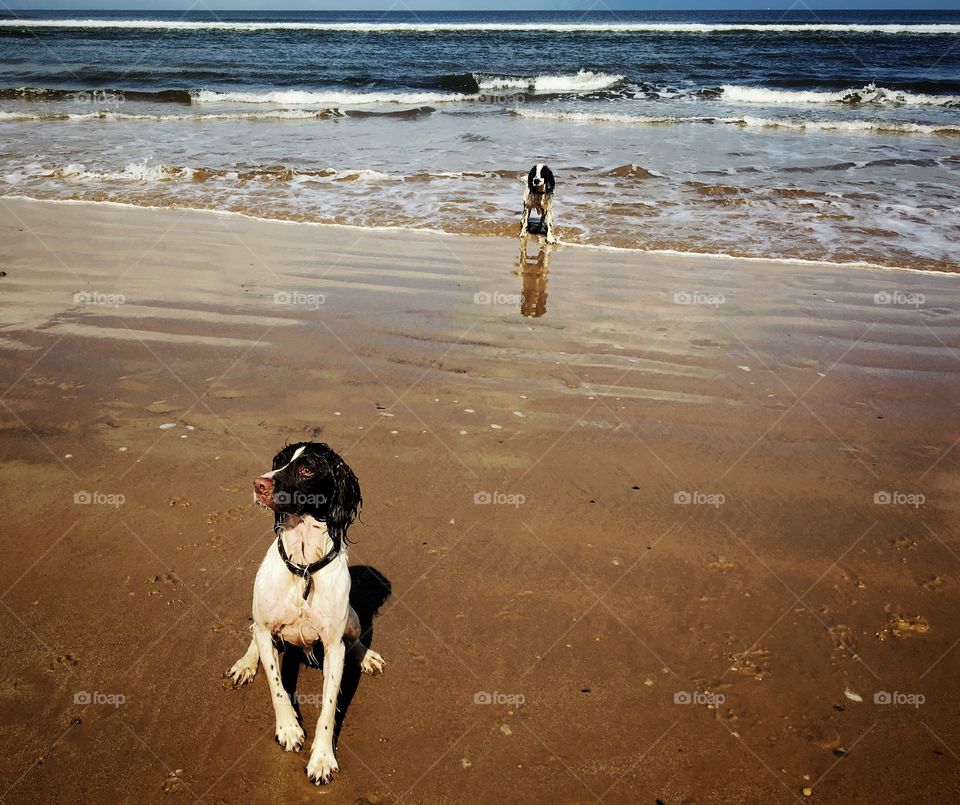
(263, 486)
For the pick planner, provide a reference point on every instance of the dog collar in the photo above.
(305, 571)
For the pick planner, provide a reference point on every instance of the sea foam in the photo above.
(533, 27)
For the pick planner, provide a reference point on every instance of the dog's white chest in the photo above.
(295, 625)
(280, 608)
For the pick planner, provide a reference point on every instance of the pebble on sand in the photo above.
(506, 730)
(168, 425)
(496, 427)
(519, 414)
(808, 792)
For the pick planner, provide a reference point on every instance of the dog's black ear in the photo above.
(345, 501)
(548, 178)
(531, 176)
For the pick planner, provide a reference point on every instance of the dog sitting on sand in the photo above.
(301, 594)
(539, 196)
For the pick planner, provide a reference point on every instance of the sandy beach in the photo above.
(639, 528)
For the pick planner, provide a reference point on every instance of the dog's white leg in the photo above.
(548, 216)
(525, 218)
(289, 732)
(245, 669)
(369, 661)
(323, 763)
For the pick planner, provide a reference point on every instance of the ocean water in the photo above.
(833, 136)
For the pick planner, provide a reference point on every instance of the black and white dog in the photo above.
(301, 594)
(539, 196)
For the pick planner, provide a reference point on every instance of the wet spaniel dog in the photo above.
(539, 196)
(301, 594)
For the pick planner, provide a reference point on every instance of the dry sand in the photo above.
(590, 609)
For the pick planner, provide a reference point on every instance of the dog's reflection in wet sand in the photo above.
(533, 273)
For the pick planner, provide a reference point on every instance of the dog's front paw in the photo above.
(321, 767)
(290, 736)
(242, 672)
(372, 663)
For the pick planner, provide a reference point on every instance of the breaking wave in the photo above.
(321, 97)
(941, 29)
(870, 94)
(582, 81)
(881, 126)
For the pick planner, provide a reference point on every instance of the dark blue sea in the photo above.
(827, 136)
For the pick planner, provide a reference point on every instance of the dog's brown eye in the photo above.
(305, 472)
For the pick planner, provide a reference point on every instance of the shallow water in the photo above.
(663, 136)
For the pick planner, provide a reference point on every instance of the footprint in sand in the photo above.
(752, 662)
(843, 639)
(130, 384)
(901, 627)
(721, 564)
(160, 407)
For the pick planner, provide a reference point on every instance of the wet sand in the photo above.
(687, 586)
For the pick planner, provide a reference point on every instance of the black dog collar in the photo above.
(305, 571)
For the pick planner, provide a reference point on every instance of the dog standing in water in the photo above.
(539, 196)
